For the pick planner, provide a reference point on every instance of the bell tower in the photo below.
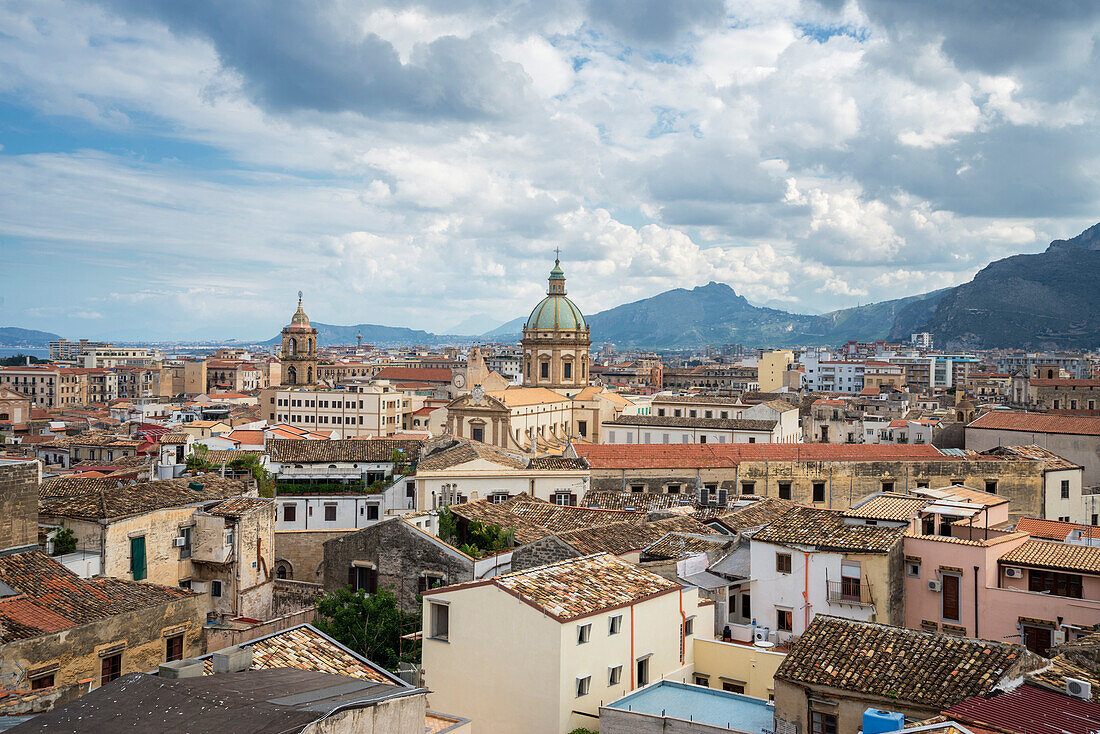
(299, 352)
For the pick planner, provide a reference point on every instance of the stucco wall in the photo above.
(76, 649)
(304, 552)
(1083, 450)
(752, 666)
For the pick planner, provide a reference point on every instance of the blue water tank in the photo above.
(877, 721)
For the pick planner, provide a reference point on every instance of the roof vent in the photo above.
(190, 668)
(196, 486)
(1079, 688)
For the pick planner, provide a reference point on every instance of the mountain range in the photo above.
(1048, 300)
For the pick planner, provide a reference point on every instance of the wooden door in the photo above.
(1038, 639)
(951, 597)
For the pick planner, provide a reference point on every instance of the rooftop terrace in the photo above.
(704, 705)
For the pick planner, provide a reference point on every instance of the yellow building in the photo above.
(772, 369)
(551, 643)
(737, 667)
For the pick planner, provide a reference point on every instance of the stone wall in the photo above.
(19, 505)
(302, 552)
(401, 554)
(845, 482)
(141, 635)
(540, 552)
(295, 597)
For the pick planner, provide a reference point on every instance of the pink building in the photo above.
(1001, 586)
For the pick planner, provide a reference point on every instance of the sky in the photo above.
(177, 170)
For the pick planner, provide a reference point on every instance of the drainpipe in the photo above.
(806, 590)
(683, 626)
(633, 664)
(975, 601)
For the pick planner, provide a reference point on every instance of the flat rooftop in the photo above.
(704, 705)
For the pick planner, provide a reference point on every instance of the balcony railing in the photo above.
(849, 591)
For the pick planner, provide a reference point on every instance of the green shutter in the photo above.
(137, 558)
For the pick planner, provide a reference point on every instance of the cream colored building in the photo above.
(478, 471)
(738, 667)
(551, 643)
(772, 370)
(375, 409)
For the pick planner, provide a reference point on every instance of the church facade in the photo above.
(555, 404)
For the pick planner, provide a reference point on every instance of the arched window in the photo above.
(293, 346)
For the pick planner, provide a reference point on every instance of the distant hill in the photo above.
(383, 336)
(1049, 300)
(11, 336)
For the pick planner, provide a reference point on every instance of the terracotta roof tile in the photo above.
(1002, 420)
(682, 545)
(911, 667)
(888, 507)
(826, 530)
(532, 519)
(108, 499)
(306, 451)
(1060, 556)
(627, 537)
(307, 648)
(238, 506)
(639, 456)
(1054, 529)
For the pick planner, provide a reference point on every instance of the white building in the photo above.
(657, 429)
(551, 644)
(377, 409)
(825, 375)
(813, 561)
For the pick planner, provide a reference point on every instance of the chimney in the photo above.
(232, 659)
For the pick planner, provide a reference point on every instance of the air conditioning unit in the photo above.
(935, 585)
(1014, 573)
(179, 541)
(1079, 688)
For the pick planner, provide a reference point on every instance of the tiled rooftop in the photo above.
(627, 537)
(888, 507)
(1003, 420)
(578, 587)
(107, 499)
(306, 451)
(306, 648)
(682, 545)
(467, 451)
(1029, 709)
(1052, 460)
(640, 456)
(239, 506)
(532, 519)
(53, 598)
(910, 667)
(722, 424)
(827, 531)
(1060, 556)
(1054, 529)
(635, 501)
(761, 512)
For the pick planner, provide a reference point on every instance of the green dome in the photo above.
(556, 313)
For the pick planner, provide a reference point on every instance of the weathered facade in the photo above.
(300, 554)
(396, 555)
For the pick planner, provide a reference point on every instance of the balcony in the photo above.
(849, 591)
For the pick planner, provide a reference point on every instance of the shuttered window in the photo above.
(137, 558)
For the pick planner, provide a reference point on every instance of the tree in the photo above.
(370, 624)
(64, 541)
(480, 539)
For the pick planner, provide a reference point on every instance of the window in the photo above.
(642, 672)
(912, 569)
(611, 437)
(290, 512)
(582, 428)
(330, 512)
(441, 620)
(822, 723)
(185, 549)
(584, 633)
(702, 680)
(746, 605)
(42, 681)
(137, 559)
(991, 486)
(637, 488)
(819, 491)
(887, 486)
(748, 487)
(733, 687)
(173, 648)
(372, 512)
(215, 588)
(1065, 489)
(1058, 584)
(703, 438)
(674, 489)
(478, 434)
(784, 620)
(544, 370)
(689, 627)
(583, 684)
(784, 490)
(110, 669)
(614, 675)
(783, 562)
(567, 370)
(615, 625)
(752, 439)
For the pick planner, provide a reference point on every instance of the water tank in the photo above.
(877, 721)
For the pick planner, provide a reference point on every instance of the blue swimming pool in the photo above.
(705, 705)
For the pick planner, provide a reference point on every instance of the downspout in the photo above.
(806, 590)
(683, 626)
(975, 601)
(633, 664)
